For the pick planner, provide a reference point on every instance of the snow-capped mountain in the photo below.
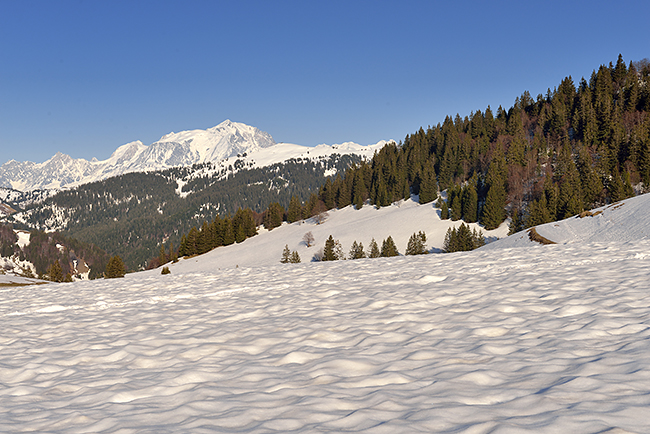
(174, 149)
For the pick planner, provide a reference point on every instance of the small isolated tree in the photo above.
(55, 272)
(294, 258)
(356, 251)
(165, 270)
(417, 244)
(329, 252)
(308, 238)
(388, 248)
(114, 268)
(374, 249)
(286, 255)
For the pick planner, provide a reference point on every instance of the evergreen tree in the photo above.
(444, 210)
(462, 239)
(295, 210)
(428, 185)
(162, 256)
(417, 244)
(273, 216)
(55, 272)
(493, 213)
(388, 248)
(455, 203)
(329, 252)
(286, 255)
(470, 201)
(517, 223)
(294, 258)
(115, 268)
(356, 251)
(374, 249)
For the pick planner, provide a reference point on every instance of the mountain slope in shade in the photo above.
(175, 149)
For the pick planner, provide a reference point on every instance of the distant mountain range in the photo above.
(175, 149)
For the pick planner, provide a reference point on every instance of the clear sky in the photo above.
(84, 77)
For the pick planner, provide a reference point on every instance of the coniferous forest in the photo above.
(579, 146)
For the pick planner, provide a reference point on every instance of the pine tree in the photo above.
(55, 272)
(493, 213)
(444, 210)
(294, 258)
(462, 239)
(162, 256)
(417, 244)
(356, 251)
(295, 210)
(517, 223)
(388, 248)
(374, 249)
(329, 252)
(115, 268)
(428, 185)
(470, 201)
(286, 255)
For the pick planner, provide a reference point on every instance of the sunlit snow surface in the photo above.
(546, 339)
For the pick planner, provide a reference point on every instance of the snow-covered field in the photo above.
(544, 339)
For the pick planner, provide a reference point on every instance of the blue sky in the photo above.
(84, 77)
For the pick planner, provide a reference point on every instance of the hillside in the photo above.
(503, 340)
(624, 221)
(399, 220)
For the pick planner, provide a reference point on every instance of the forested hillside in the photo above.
(132, 214)
(543, 159)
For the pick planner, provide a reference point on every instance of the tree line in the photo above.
(544, 159)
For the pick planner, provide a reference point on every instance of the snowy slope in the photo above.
(624, 221)
(501, 340)
(534, 340)
(220, 145)
(347, 225)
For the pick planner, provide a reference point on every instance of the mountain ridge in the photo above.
(173, 149)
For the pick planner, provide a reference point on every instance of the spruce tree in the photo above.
(295, 210)
(493, 213)
(388, 248)
(417, 244)
(329, 252)
(356, 251)
(55, 272)
(294, 258)
(286, 255)
(374, 249)
(428, 185)
(115, 268)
